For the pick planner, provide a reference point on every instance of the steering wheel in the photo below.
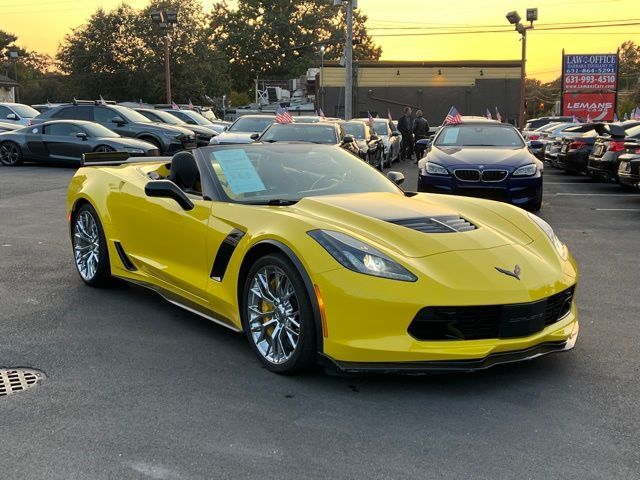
(332, 177)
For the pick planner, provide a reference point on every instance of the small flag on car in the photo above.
(102, 101)
(498, 116)
(174, 106)
(588, 118)
(283, 116)
(141, 104)
(488, 114)
(48, 103)
(615, 117)
(371, 121)
(321, 113)
(453, 117)
(626, 116)
(190, 105)
(575, 119)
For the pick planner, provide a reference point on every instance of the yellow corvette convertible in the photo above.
(318, 258)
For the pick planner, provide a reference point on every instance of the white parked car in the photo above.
(17, 113)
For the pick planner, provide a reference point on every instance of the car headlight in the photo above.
(434, 169)
(560, 247)
(526, 170)
(134, 150)
(360, 257)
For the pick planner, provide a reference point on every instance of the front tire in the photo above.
(10, 154)
(90, 250)
(536, 204)
(277, 315)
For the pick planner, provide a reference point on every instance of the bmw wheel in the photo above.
(10, 154)
(90, 247)
(277, 315)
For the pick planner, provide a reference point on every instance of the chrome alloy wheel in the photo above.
(86, 245)
(273, 314)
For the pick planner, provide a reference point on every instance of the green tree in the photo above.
(281, 38)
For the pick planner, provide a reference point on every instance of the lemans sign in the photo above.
(593, 106)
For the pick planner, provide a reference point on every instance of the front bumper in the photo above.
(444, 366)
(517, 191)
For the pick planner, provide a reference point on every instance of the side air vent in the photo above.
(440, 224)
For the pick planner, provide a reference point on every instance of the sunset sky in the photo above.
(41, 25)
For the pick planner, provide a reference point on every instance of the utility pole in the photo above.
(514, 19)
(167, 68)
(166, 20)
(348, 64)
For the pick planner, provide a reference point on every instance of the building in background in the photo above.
(471, 86)
(7, 89)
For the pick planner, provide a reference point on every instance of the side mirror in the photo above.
(81, 135)
(254, 136)
(348, 139)
(395, 133)
(168, 189)
(395, 177)
(12, 116)
(225, 129)
(425, 142)
(119, 120)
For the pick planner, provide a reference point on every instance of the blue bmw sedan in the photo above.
(482, 158)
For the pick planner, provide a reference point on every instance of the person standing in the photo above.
(420, 132)
(405, 126)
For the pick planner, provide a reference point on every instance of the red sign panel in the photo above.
(594, 106)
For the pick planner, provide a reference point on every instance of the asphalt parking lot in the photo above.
(137, 388)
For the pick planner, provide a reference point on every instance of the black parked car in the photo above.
(126, 122)
(65, 141)
(629, 165)
(535, 123)
(203, 134)
(370, 147)
(574, 152)
(604, 159)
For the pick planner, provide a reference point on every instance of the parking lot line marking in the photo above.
(617, 209)
(597, 194)
(568, 183)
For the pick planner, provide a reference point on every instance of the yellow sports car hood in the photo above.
(415, 226)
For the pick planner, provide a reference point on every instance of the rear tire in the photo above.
(90, 250)
(277, 315)
(10, 154)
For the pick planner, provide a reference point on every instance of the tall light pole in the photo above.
(14, 56)
(514, 19)
(348, 64)
(321, 102)
(166, 19)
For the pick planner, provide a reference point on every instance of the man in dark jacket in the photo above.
(405, 127)
(420, 132)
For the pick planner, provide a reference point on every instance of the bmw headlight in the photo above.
(434, 169)
(360, 257)
(560, 247)
(526, 170)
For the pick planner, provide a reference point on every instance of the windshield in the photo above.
(355, 129)
(260, 173)
(251, 124)
(25, 111)
(97, 130)
(163, 116)
(130, 114)
(300, 132)
(381, 128)
(478, 136)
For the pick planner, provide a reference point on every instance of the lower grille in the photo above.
(467, 175)
(499, 194)
(490, 321)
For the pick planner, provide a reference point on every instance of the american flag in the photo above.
(498, 116)
(174, 106)
(321, 113)
(102, 101)
(141, 104)
(190, 105)
(283, 116)
(575, 119)
(371, 121)
(488, 114)
(588, 118)
(615, 117)
(626, 117)
(453, 117)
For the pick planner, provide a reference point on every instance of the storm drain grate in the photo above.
(18, 380)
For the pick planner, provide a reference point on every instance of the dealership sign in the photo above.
(589, 86)
(595, 106)
(590, 72)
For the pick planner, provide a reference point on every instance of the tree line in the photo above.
(119, 53)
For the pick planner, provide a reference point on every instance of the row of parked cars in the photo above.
(64, 132)
(604, 151)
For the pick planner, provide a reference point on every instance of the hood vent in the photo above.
(440, 224)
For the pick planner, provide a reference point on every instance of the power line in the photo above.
(542, 25)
